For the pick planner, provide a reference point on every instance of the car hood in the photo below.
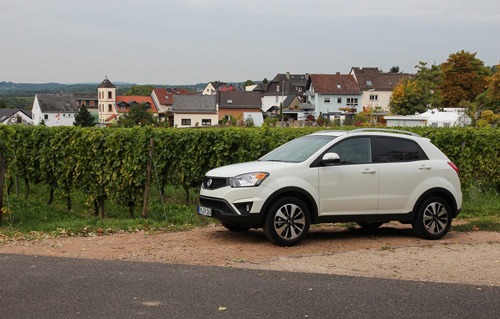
(248, 167)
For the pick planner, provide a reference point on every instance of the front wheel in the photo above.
(433, 218)
(287, 222)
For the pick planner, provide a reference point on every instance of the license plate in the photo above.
(205, 211)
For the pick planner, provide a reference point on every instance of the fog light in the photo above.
(244, 208)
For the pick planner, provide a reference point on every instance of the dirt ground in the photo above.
(393, 252)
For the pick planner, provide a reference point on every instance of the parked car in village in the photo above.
(366, 176)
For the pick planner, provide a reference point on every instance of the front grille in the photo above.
(218, 206)
(214, 183)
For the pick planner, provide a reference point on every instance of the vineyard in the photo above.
(119, 165)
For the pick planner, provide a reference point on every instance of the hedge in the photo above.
(111, 164)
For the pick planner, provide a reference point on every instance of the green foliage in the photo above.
(84, 118)
(408, 98)
(141, 90)
(138, 115)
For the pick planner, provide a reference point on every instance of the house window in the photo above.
(352, 101)
(206, 122)
(277, 88)
(326, 100)
(446, 124)
(186, 122)
(110, 95)
(339, 100)
(373, 97)
(369, 83)
(92, 103)
(110, 108)
(45, 116)
(299, 89)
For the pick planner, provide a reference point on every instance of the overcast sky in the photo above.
(192, 41)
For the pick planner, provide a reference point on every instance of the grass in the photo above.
(480, 211)
(33, 218)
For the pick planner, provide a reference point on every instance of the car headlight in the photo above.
(248, 180)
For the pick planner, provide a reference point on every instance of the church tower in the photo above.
(106, 93)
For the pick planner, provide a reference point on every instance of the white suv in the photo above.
(366, 176)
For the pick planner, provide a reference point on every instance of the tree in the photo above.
(84, 118)
(408, 98)
(141, 90)
(463, 78)
(429, 79)
(137, 115)
(490, 99)
(394, 69)
(248, 83)
(265, 81)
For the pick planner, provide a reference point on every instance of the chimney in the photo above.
(288, 75)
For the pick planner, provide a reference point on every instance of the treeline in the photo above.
(119, 164)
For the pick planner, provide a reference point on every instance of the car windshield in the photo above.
(298, 150)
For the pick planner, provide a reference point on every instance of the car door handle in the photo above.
(424, 167)
(368, 171)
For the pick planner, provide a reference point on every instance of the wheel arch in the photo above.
(297, 192)
(441, 192)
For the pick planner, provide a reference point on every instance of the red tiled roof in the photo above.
(138, 99)
(164, 97)
(112, 117)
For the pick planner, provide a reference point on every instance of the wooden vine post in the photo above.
(148, 179)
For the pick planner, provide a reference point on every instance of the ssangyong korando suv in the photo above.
(366, 176)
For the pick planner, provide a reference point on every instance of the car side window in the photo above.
(392, 150)
(353, 151)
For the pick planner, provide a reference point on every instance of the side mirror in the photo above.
(330, 159)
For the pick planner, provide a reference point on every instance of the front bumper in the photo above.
(226, 214)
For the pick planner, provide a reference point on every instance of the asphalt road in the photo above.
(48, 287)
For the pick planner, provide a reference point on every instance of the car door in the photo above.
(351, 186)
(403, 166)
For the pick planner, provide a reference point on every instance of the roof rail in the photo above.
(384, 130)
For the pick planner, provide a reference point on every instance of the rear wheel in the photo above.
(287, 222)
(433, 218)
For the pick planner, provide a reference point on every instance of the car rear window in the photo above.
(392, 150)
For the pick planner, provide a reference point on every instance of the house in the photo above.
(90, 101)
(295, 109)
(212, 88)
(283, 85)
(447, 117)
(54, 109)
(111, 107)
(163, 99)
(376, 86)
(195, 110)
(334, 95)
(235, 103)
(15, 116)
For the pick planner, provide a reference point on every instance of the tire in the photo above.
(370, 226)
(433, 218)
(287, 222)
(236, 229)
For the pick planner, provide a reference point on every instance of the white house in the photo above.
(54, 109)
(14, 116)
(195, 110)
(448, 117)
(212, 88)
(334, 95)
